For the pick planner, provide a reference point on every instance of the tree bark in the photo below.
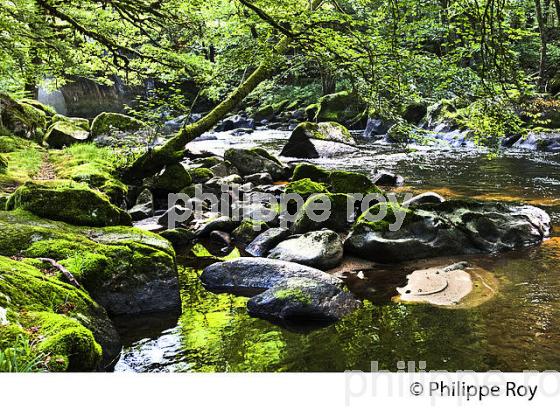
(544, 43)
(153, 161)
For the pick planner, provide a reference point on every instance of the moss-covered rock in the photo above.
(125, 269)
(253, 161)
(63, 134)
(200, 175)
(313, 172)
(314, 140)
(68, 201)
(305, 187)
(22, 119)
(3, 165)
(47, 109)
(382, 225)
(110, 121)
(343, 107)
(173, 178)
(341, 210)
(82, 123)
(64, 320)
(248, 230)
(311, 112)
(266, 112)
(351, 183)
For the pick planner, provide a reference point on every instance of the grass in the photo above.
(21, 358)
(24, 161)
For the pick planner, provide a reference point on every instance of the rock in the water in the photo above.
(314, 140)
(438, 286)
(222, 223)
(376, 127)
(244, 276)
(68, 201)
(388, 179)
(261, 178)
(250, 162)
(344, 107)
(248, 230)
(303, 299)
(141, 211)
(450, 228)
(235, 122)
(319, 249)
(424, 198)
(179, 236)
(267, 240)
(63, 134)
(175, 216)
(107, 122)
(341, 213)
(313, 172)
(540, 141)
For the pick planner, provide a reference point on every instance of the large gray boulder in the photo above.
(453, 227)
(65, 133)
(297, 299)
(315, 140)
(266, 241)
(319, 249)
(244, 276)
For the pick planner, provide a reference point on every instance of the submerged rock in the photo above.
(314, 140)
(319, 249)
(254, 275)
(388, 179)
(297, 299)
(450, 228)
(68, 201)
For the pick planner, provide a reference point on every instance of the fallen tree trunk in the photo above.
(154, 160)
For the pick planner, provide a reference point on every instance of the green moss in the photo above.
(313, 172)
(68, 201)
(109, 121)
(92, 165)
(305, 187)
(82, 123)
(264, 112)
(248, 230)
(3, 165)
(209, 162)
(65, 338)
(21, 119)
(200, 175)
(343, 106)
(46, 109)
(311, 111)
(62, 133)
(327, 131)
(351, 183)
(173, 178)
(293, 294)
(338, 219)
(383, 224)
(24, 161)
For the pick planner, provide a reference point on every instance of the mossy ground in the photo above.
(24, 161)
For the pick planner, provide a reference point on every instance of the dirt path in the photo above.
(47, 170)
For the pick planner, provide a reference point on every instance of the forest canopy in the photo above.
(388, 52)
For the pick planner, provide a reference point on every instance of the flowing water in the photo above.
(517, 329)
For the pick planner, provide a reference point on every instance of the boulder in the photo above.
(244, 276)
(267, 240)
(235, 122)
(347, 182)
(313, 172)
(224, 169)
(178, 212)
(66, 323)
(250, 162)
(343, 107)
(179, 237)
(453, 227)
(173, 178)
(68, 201)
(200, 175)
(303, 299)
(222, 223)
(305, 188)
(376, 127)
(124, 269)
(415, 112)
(315, 140)
(63, 134)
(261, 178)
(82, 123)
(340, 216)
(141, 211)
(106, 122)
(319, 249)
(21, 119)
(248, 230)
(387, 179)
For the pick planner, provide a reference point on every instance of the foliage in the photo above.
(21, 358)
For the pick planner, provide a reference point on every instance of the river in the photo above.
(518, 329)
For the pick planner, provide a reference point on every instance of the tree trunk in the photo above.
(544, 43)
(153, 161)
